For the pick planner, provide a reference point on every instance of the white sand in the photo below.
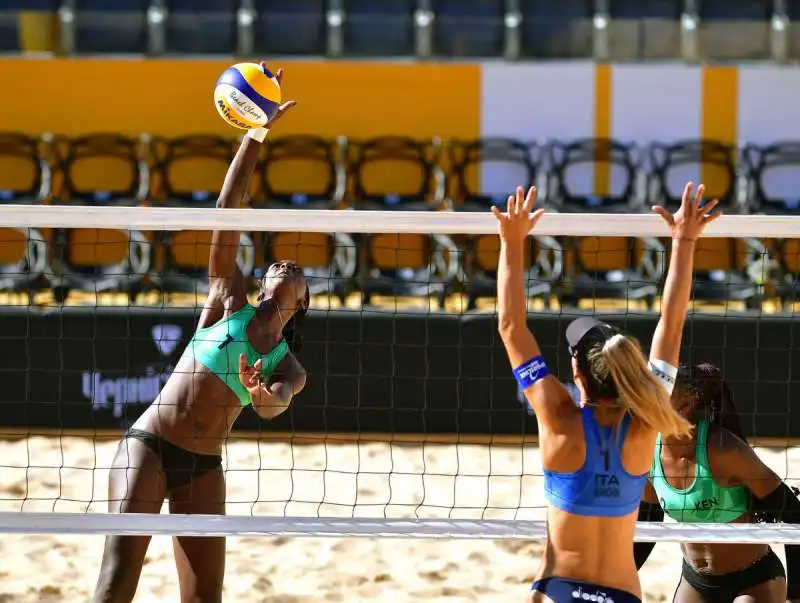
(270, 478)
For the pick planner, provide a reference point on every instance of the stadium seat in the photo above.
(557, 30)
(573, 179)
(100, 26)
(468, 28)
(396, 174)
(190, 172)
(307, 172)
(645, 29)
(725, 269)
(201, 26)
(498, 165)
(100, 170)
(771, 175)
(735, 30)
(294, 27)
(379, 29)
(26, 179)
(603, 176)
(27, 25)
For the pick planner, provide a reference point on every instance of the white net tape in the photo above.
(133, 524)
(352, 222)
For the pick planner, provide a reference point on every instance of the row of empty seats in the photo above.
(392, 173)
(603, 29)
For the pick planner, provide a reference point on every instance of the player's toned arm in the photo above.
(222, 268)
(545, 393)
(685, 225)
(273, 398)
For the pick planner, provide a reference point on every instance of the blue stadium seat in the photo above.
(201, 26)
(383, 28)
(10, 35)
(645, 9)
(111, 27)
(10, 27)
(290, 27)
(482, 173)
(190, 172)
(725, 10)
(466, 28)
(556, 30)
(104, 170)
(31, 5)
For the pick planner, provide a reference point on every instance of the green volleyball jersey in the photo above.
(704, 501)
(218, 348)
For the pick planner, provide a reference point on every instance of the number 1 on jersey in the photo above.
(228, 339)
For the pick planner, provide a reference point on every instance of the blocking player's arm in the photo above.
(666, 346)
(685, 225)
(543, 391)
(649, 510)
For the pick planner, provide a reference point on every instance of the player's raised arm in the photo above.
(222, 268)
(685, 225)
(542, 390)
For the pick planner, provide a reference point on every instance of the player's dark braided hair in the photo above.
(713, 394)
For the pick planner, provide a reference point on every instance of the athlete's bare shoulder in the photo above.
(223, 300)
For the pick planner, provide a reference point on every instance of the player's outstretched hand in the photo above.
(285, 106)
(518, 220)
(250, 376)
(692, 217)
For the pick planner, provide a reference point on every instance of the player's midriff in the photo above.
(585, 548)
(196, 410)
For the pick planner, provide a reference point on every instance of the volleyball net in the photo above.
(410, 424)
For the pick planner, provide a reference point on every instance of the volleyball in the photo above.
(247, 95)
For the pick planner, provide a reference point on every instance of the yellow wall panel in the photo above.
(173, 97)
(602, 128)
(719, 120)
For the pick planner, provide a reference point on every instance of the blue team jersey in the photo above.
(602, 487)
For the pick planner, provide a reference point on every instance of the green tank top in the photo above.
(704, 501)
(218, 348)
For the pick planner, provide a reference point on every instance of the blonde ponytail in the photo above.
(639, 390)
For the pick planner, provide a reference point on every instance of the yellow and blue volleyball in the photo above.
(247, 95)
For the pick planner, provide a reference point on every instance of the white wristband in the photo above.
(665, 372)
(257, 134)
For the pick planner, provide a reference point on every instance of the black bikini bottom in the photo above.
(180, 466)
(724, 588)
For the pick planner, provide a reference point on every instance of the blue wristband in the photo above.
(530, 372)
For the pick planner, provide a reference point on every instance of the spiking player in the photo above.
(239, 355)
